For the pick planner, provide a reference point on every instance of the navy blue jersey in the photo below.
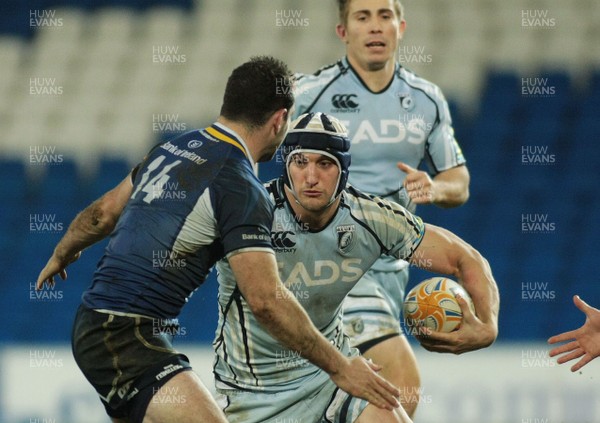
(195, 200)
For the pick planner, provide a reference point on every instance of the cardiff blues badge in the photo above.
(406, 102)
(345, 236)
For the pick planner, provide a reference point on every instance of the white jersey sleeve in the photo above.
(397, 231)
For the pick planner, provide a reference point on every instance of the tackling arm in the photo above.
(258, 280)
(450, 255)
(93, 224)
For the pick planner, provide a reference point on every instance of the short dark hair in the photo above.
(257, 89)
(344, 5)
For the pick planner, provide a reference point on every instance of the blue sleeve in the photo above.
(137, 168)
(242, 209)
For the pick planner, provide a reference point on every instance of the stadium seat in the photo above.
(546, 97)
(14, 19)
(14, 221)
(109, 173)
(512, 47)
(581, 162)
(590, 96)
(501, 95)
(13, 174)
(162, 25)
(12, 51)
(485, 152)
(58, 187)
(541, 132)
(464, 16)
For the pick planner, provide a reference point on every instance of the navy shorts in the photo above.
(127, 358)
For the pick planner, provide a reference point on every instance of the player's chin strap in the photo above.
(325, 153)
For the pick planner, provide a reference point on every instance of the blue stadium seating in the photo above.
(488, 138)
(501, 97)
(16, 14)
(549, 97)
(15, 18)
(110, 172)
(504, 189)
(59, 191)
(540, 132)
(14, 179)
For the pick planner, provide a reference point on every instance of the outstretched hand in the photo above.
(55, 266)
(585, 341)
(473, 334)
(358, 378)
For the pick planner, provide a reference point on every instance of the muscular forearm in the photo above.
(451, 187)
(476, 276)
(96, 222)
(90, 226)
(450, 194)
(450, 255)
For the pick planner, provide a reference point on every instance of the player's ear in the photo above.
(401, 29)
(279, 119)
(340, 30)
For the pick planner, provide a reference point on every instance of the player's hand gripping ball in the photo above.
(432, 304)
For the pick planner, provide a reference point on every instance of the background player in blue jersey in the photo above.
(192, 201)
(396, 120)
(326, 236)
(584, 342)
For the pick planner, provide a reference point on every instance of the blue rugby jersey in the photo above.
(407, 121)
(319, 268)
(195, 200)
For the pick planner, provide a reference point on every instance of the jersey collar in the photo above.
(346, 62)
(228, 135)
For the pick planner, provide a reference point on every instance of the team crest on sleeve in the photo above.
(345, 236)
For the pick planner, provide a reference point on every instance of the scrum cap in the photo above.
(320, 133)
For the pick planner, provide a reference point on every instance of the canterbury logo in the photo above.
(344, 101)
(286, 239)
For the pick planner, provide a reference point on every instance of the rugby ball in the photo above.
(432, 304)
